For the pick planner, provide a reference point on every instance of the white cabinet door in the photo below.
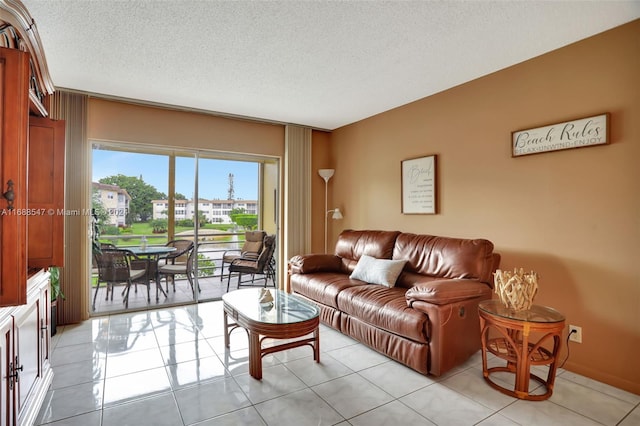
(27, 359)
(7, 395)
(45, 326)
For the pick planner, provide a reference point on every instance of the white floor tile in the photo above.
(79, 372)
(312, 373)
(208, 400)
(245, 416)
(194, 372)
(186, 351)
(71, 401)
(301, 408)
(276, 381)
(395, 378)
(357, 357)
(444, 406)
(169, 366)
(93, 418)
(544, 413)
(391, 414)
(160, 410)
(135, 361)
(632, 419)
(471, 384)
(129, 387)
(602, 387)
(498, 420)
(352, 395)
(74, 353)
(589, 402)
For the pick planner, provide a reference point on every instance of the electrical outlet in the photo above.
(575, 334)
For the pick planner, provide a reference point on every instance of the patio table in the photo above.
(153, 254)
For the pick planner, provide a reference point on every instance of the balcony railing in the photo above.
(211, 247)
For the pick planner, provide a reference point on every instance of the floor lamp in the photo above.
(326, 174)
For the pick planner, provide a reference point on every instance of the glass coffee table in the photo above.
(287, 317)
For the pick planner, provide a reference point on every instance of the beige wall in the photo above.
(124, 122)
(572, 216)
(320, 159)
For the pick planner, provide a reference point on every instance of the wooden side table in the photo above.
(523, 339)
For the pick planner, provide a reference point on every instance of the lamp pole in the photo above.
(326, 175)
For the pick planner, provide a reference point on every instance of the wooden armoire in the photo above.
(31, 215)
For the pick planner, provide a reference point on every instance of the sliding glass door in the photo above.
(153, 197)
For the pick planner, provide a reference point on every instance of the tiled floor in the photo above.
(211, 288)
(170, 367)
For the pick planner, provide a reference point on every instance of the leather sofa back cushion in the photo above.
(445, 257)
(351, 245)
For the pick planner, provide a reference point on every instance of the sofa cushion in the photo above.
(378, 271)
(385, 308)
(351, 245)
(323, 287)
(442, 292)
(445, 257)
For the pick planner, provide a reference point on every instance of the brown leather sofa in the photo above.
(428, 320)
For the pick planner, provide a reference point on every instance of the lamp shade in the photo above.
(326, 174)
(337, 214)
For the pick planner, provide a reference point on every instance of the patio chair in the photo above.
(263, 265)
(253, 241)
(178, 258)
(114, 267)
(135, 264)
(180, 268)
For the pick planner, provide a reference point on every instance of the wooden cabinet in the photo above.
(45, 198)
(14, 107)
(32, 168)
(31, 215)
(25, 367)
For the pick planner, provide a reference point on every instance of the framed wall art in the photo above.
(418, 177)
(577, 133)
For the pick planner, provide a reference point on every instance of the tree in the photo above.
(246, 221)
(236, 211)
(202, 219)
(140, 207)
(159, 226)
(179, 196)
(99, 210)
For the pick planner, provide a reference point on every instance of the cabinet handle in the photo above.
(9, 195)
(14, 373)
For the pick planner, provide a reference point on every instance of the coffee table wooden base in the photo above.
(258, 331)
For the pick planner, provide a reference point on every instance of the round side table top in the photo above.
(537, 313)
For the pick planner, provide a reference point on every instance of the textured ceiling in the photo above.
(316, 63)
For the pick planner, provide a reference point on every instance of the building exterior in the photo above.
(216, 211)
(115, 200)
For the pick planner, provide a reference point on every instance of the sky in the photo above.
(214, 174)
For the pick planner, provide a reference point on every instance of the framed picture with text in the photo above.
(418, 176)
(578, 133)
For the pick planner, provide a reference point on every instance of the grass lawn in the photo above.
(131, 236)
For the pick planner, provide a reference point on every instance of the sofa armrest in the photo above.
(310, 263)
(442, 292)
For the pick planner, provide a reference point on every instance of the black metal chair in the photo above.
(263, 265)
(251, 248)
(114, 267)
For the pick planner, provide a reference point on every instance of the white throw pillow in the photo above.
(378, 271)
